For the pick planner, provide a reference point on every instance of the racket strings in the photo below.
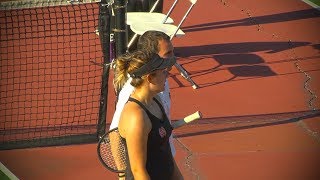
(112, 151)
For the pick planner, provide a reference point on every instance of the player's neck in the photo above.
(143, 95)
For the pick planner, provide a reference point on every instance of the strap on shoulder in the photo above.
(139, 103)
(161, 107)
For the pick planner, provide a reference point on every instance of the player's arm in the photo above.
(135, 125)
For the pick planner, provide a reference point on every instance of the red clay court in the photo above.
(252, 61)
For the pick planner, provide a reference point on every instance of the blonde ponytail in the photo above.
(128, 63)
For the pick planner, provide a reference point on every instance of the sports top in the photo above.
(159, 163)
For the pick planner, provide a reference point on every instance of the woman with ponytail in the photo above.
(143, 123)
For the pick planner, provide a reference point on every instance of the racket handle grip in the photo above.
(187, 119)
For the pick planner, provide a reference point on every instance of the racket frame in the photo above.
(102, 140)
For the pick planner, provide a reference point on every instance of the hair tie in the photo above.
(126, 64)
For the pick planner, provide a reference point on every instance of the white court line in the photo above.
(312, 4)
(7, 172)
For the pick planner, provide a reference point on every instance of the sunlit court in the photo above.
(250, 68)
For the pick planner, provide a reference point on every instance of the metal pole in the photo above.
(170, 11)
(104, 34)
(120, 29)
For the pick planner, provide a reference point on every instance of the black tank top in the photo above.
(159, 157)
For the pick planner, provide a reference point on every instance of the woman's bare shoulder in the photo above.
(134, 118)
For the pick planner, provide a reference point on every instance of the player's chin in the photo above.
(160, 89)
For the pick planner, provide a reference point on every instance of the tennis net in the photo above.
(49, 89)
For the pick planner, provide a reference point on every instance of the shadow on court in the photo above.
(273, 18)
(234, 123)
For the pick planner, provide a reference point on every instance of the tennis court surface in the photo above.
(258, 68)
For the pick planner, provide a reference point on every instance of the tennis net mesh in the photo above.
(49, 90)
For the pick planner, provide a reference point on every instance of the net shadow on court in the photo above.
(234, 123)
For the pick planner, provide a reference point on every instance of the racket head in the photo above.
(112, 151)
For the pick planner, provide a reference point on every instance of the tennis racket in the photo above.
(111, 146)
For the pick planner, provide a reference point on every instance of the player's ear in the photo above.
(150, 78)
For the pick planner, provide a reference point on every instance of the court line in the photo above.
(7, 172)
(312, 4)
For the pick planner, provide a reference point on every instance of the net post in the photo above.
(120, 29)
(104, 34)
